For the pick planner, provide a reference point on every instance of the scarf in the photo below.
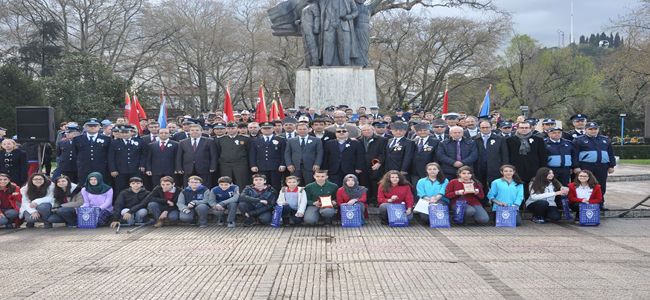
(524, 146)
(100, 187)
(356, 191)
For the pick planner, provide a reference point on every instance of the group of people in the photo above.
(309, 163)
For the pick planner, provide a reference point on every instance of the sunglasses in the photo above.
(341, 131)
(438, 126)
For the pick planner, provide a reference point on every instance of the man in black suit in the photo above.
(399, 150)
(425, 152)
(455, 152)
(527, 153)
(304, 154)
(343, 156)
(181, 135)
(232, 153)
(318, 130)
(380, 129)
(161, 157)
(125, 158)
(374, 155)
(266, 155)
(91, 150)
(492, 154)
(439, 130)
(196, 156)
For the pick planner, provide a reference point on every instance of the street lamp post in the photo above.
(622, 128)
(524, 111)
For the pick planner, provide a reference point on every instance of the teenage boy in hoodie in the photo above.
(129, 205)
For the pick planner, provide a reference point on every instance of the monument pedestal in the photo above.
(320, 87)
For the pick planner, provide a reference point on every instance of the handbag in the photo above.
(351, 215)
(506, 216)
(589, 214)
(566, 211)
(459, 212)
(88, 217)
(439, 216)
(397, 215)
(276, 221)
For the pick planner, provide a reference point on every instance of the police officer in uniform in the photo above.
(579, 121)
(595, 153)
(232, 154)
(126, 158)
(561, 155)
(91, 150)
(266, 155)
(66, 159)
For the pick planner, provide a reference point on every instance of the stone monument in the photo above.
(336, 40)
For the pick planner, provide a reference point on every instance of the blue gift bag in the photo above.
(351, 215)
(439, 216)
(277, 216)
(459, 211)
(506, 216)
(397, 215)
(566, 211)
(589, 214)
(88, 217)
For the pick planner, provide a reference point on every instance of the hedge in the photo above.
(632, 151)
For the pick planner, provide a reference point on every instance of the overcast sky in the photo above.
(542, 19)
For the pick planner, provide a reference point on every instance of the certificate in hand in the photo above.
(422, 207)
(468, 187)
(326, 202)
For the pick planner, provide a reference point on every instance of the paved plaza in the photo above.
(545, 261)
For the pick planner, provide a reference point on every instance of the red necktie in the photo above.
(162, 146)
(194, 145)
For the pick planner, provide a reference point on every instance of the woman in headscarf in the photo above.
(351, 193)
(96, 193)
(38, 198)
(67, 198)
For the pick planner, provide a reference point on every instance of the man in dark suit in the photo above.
(181, 135)
(91, 150)
(289, 126)
(318, 130)
(343, 156)
(439, 128)
(455, 152)
(153, 128)
(374, 155)
(196, 156)
(579, 121)
(527, 153)
(161, 157)
(232, 153)
(492, 154)
(266, 155)
(126, 158)
(425, 152)
(399, 150)
(304, 154)
(65, 157)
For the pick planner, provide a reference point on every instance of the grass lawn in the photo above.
(635, 161)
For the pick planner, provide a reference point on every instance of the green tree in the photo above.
(39, 54)
(16, 89)
(82, 87)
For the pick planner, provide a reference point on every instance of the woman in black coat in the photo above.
(13, 161)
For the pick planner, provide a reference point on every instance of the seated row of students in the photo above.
(41, 200)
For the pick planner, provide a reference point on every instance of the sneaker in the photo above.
(158, 224)
(231, 225)
(47, 225)
(220, 222)
(29, 225)
(203, 226)
(538, 220)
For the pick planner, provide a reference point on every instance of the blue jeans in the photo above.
(9, 215)
(231, 207)
(139, 216)
(67, 215)
(156, 209)
(264, 217)
(202, 212)
(313, 214)
(44, 210)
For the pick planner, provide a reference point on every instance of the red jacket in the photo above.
(13, 200)
(403, 193)
(342, 197)
(472, 199)
(596, 194)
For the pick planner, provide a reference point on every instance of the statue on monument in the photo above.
(334, 32)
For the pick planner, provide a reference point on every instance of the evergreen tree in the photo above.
(593, 40)
(16, 89)
(582, 40)
(617, 40)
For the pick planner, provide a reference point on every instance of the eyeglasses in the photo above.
(583, 176)
(438, 126)
(341, 131)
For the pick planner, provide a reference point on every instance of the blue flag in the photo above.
(485, 106)
(162, 114)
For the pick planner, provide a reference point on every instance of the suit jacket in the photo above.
(490, 159)
(311, 155)
(527, 165)
(445, 136)
(284, 135)
(161, 161)
(203, 160)
(400, 156)
(346, 161)
(233, 151)
(66, 159)
(179, 136)
(353, 130)
(147, 139)
(421, 157)
(267, 156)
(327, 136)
(376, 150)
(91, 157)
(126, 158)
(446, 154)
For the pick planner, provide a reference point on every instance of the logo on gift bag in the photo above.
(85, 216)
(589, 213)
(398, 213)
(440, 215)
(349, 215)
(505, 214)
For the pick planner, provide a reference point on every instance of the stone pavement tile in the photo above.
(408, 249)
(212, 232)
(617, 227)
(640, 243)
